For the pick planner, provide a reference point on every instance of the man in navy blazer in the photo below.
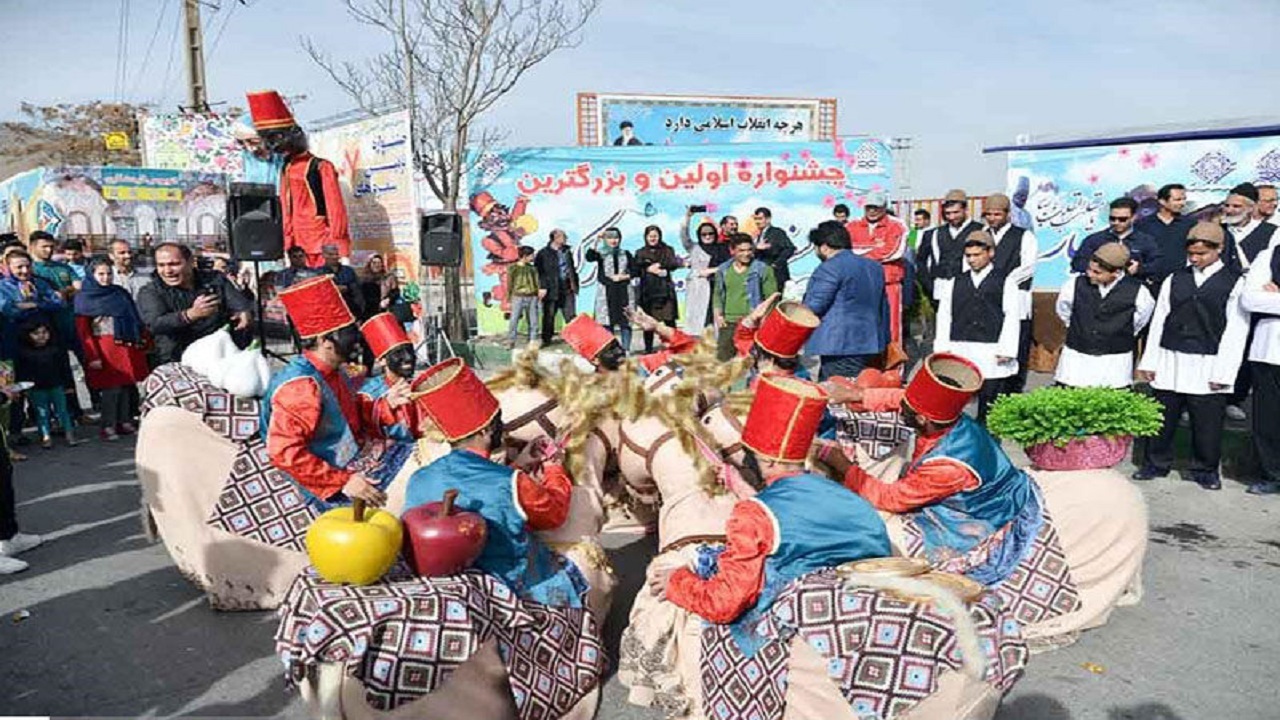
(847, 292)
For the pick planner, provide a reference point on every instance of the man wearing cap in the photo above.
(1168, 226)
(392, 347)
(513, 503)
(311, 201)
(941, 252)
(1144, 254)
(1016, 255)
(600, 347)
(847, 293)
(797, 524)
(1247, 235)
(315, 419)
(1261, 297)
(1105, 309)
(1198, 335)
(878, 237)
(960, 489)
(979, 313)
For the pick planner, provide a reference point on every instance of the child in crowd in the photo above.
(115, 343)
(43, 361)
(525, 294)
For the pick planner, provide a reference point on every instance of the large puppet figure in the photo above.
(311, 201)
(505, 227)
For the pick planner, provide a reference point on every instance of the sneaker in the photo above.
(15, 456)
(46, 442)
(1264, 487)
(108, 435)
(71, 439)
(126, 429)
(9, 566)
(19, 543)
(1236, 413)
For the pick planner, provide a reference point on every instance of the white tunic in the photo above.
(1028, 254)
(1265, 305)
(982, 354)
(1191, 373)
(1078, 369)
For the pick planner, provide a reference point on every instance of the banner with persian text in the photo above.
(620, 119)
(1063, 195)
(374, 159)
(518, 196)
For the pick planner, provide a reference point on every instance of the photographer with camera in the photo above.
(183, 304)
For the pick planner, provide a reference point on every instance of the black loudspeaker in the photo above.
(254, 222)
(440, 239)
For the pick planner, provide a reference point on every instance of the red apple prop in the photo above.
(439, 540)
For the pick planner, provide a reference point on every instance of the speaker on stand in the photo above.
(256, 234)
(439, 245)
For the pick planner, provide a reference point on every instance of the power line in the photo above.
(146, 58)
(218, 36)
(173, 47)
(122, 49)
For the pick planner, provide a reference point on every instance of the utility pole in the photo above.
(197, 98)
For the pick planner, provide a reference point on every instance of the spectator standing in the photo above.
(1193, 354)
(847, 293)
(840, 213)
(63, 279)
(941, 250)
(123, 272)
(297, 271)
(1144, 253)
(12, 542)
(25, 297)
(1261, 297)
(526, 296)
(740, 285)
(706, 253)
(653, 264)
(1104, 310)
(115, 345)
(1267, 203)
(615, 295)
(879, 237)
(558, 276)
(379, 287)
(773, 247)
(1247, 235)
(919, 223)
(42, 360)
(344, 276)
(183, 304)
(1016, 254)
(1168, 227)
(73, 252)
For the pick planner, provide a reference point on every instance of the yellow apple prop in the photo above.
(348, 545)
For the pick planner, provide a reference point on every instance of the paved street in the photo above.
(114, 630)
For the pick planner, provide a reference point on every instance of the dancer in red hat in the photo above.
(512, 502)
(315, 214)
(601, 348)
(960, 489)
(316, 421)
(773, 335)
(798, 523)
(391, 346)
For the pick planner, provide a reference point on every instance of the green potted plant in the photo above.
(1063, 428)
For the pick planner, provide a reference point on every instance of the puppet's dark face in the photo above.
(288, 141)
(611, 357)
(401, 361)
(498, 218)
(346, 343)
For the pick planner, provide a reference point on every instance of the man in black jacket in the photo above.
(773, 247)
(183, 304)
(558, 276)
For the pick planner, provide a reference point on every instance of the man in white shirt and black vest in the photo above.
(1261, 298)
(1016, 255)
(978, 318)
(941, 251)
(1193, 352)
(1104, 310)
(1247, 235)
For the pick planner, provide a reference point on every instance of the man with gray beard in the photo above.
(1246, 234)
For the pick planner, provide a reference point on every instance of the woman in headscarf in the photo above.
(706, 253)
(114, 340)
(380, 288)
(654, 264)
(616, 296)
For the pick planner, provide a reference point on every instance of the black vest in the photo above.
(1009, 254)
(951, 251)
(1103, 325)
(977, 314)
(1197, 315)
(1256, 241)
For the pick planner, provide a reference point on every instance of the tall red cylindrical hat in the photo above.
(482, 202)
(586, 336)
(316, 307)
(269, 111)
(784, 417)
(786, 329)
(454, 398)
(942, 387)
(384, 332)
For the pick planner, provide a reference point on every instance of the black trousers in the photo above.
(1018, 382)
(991, 389)
(8, 502)
(1266, 419)
(1208, 414)
(550, 306)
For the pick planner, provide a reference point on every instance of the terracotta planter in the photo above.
(1086, 453)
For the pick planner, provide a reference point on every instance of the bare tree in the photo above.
(449, 61)
(71, 134)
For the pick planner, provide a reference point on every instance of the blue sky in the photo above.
(955, 76)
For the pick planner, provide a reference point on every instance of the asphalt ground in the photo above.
(103, 625)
